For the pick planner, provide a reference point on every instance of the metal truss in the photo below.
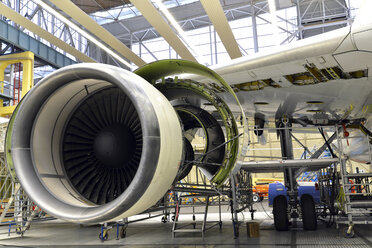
(253, 10)
(50, 23)
(319, 16)
(313, 17)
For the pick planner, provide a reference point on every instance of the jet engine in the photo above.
(92, 143)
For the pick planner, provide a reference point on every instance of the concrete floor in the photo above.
(153, 233)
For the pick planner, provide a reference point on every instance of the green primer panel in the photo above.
(163, 68)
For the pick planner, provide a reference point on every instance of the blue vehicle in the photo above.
(309, 188)
(308, 196)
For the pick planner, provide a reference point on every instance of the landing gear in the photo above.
(309, 219)
(280, 213)
(280, 204)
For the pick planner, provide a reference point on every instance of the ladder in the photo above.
(357, 190)
(184, 227)
(17, 84)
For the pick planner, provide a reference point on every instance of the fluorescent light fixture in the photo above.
(178, 28)
(83, 33)
(274, 23)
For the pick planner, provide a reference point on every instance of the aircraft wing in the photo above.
(327, 73)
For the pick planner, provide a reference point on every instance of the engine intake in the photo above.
(102, 145)
(93, 142)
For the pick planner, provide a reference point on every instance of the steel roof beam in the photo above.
(26, 23)
(89, 24)
(153, 16)
(217, 16)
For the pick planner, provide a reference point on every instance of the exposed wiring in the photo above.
(243, 216)
(265, 211)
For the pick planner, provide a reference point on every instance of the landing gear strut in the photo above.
(281, 206)
(285, 206)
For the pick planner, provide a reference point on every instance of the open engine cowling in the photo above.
(93, 142)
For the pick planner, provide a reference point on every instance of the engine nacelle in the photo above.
(93, 142)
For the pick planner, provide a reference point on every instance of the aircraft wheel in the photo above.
(280, 213)
(308, 213)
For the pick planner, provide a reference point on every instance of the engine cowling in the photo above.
(93, 142)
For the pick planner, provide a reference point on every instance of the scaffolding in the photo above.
(345, 189)
(21, 80)
(355, 193)
(16, 209)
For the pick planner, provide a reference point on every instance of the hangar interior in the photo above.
(251, 166)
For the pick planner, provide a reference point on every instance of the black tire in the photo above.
(255, 198)
(308, 213)
(280, 213)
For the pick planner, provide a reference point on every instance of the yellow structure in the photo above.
(27, 60)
